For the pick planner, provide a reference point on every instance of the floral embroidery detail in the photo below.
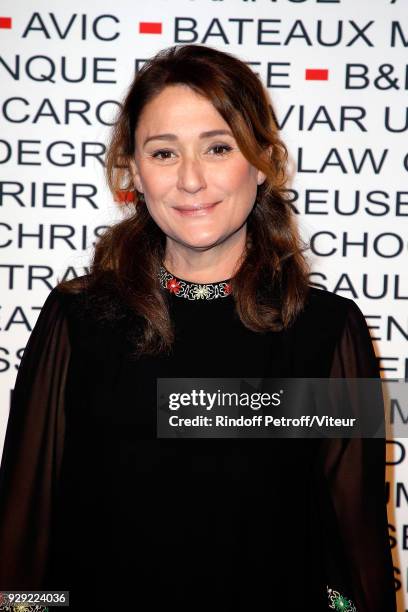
(339, 602)
(6, 606)
(201, 291)
(193, 291)
(173, 286)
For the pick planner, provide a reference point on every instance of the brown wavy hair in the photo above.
(271, 284)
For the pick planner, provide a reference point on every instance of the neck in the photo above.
(211, 265)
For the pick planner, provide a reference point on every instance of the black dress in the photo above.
(94, 503)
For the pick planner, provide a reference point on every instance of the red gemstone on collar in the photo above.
(173, 285)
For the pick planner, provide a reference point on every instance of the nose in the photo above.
(191, 176)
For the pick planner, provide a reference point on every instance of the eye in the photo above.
(167, 153)
(162, 151)
(222, 146)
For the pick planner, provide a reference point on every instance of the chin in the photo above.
(204, 242)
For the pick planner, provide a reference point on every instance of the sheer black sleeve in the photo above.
(354, 470)
(33, 451)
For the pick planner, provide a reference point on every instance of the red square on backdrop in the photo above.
(5, 23)
(150, 27)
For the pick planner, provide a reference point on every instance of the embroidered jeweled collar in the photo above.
(193, 291)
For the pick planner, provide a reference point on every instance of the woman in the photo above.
(204, 278)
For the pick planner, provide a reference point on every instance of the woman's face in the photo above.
(198, 187)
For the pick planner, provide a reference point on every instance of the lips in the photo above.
(197, 210)
(196, 206)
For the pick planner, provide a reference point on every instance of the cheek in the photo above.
(157, 194)
(241, 178)
(243, 182)
(152, 177)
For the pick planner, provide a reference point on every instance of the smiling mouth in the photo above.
(200, 209)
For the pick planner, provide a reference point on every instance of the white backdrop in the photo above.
(337, 74)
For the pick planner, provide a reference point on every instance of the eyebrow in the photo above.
(202, 135)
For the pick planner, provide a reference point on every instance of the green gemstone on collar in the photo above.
(341, 603)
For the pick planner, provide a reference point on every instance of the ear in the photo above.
(261, 176)
(135, 175)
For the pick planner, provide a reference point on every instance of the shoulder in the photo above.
(64, 294)
(83, 292)
(340, 314)
(72, 300)
(94, 304)
(327, 307)
(321, 299)
(325, 316)
(54, 316)
(325, 319)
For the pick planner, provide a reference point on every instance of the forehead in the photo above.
(178, 105)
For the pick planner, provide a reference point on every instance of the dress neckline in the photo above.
(182, 288)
